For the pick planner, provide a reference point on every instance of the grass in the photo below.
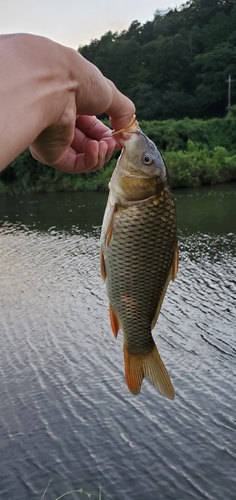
(71, 491)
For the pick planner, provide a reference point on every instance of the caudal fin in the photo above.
(151, 367)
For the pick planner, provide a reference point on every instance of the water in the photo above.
(66, 414)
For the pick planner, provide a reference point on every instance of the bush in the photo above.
(196, 151)
(198, 166)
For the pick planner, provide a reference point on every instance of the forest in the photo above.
(175, 68)
(176, 65)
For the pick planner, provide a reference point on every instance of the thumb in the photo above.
(121, 109)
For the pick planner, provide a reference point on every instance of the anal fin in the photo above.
(115, 324)
(102, 266)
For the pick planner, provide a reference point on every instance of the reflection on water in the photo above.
(66, 413)
(205, 210)
(58, 211)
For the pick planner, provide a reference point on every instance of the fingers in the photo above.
(89, 128)
(93, 158)
(95, 129)
(92, 145)
(92, 127)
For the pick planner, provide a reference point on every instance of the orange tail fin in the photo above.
(151, 367)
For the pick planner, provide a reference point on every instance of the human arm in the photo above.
(49, 96)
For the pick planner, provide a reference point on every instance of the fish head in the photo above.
(140, 171)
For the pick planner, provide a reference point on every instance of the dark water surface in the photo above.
(65, 412)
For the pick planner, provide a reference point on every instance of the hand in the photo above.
(78, 142)
(49, 98)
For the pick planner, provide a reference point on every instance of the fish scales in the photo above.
(139, 256)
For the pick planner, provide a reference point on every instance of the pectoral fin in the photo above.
(106, 235)
(151, 367)
(110, 227)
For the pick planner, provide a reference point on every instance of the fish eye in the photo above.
(147, 159)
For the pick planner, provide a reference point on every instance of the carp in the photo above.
(139, 255)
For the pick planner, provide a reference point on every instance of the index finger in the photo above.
(92, 127)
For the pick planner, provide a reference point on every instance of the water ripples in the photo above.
(66, 414)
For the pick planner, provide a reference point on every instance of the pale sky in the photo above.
(76, 22)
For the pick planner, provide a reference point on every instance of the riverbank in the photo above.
(197, 152)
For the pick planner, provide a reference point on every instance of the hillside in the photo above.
(176, 65)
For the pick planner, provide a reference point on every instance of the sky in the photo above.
(76, 22)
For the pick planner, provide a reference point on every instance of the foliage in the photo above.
(25, 175)
(231, 112)
(177, 64)
(199, 166)
(196, 151)
(175, 68)
(173, 135)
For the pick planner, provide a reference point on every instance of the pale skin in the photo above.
(49, 96)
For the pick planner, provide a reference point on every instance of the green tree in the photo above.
(212, 69)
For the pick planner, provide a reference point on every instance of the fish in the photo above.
(139, 255)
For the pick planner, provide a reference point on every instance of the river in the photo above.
(66, 416)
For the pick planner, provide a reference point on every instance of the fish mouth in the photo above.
(128, 128)
(123, 137)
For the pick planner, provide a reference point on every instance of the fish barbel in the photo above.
(139, 256)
